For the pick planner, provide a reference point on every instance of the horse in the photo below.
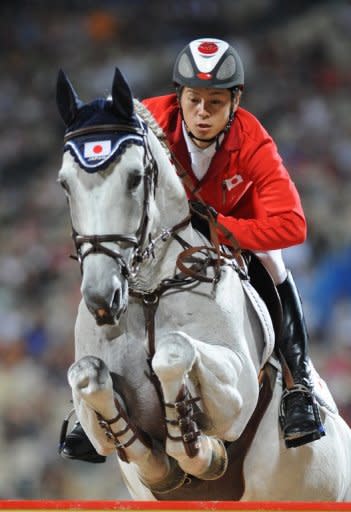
(173, 369)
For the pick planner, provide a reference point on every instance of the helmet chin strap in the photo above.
(210, 141)
(192, 136)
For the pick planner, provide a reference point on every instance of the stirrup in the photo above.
(89, 454)
(303, 437)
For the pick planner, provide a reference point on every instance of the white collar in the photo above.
(193, 148)
(200, 157)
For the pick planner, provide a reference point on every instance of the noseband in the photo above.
(137, 240)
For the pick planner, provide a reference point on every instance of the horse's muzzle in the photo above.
(104, 317)
(104, 312)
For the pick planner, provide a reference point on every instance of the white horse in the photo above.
(168, 362)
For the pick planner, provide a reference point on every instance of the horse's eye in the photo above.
(134, 180)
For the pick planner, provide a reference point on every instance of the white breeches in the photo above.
(273, 262)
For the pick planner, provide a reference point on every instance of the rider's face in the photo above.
(206, 112)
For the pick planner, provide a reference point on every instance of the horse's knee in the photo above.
(175, 356)
(91, 382)
(88, 373)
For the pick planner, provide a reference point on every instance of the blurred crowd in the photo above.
(298, 78)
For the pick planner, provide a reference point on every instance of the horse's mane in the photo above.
(149, 119)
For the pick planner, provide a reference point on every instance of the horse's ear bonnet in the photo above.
(67, 99)
(98, 132)
(122, 98)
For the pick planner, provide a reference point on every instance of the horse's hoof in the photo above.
(174, 479)
(219, 461)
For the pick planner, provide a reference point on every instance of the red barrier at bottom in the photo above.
(169, 506)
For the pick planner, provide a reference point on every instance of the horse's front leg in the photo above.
(103, 417)
(180, 362)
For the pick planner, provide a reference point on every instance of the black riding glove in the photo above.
(200, 214)
(202, 209)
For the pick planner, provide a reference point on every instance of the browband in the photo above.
(104, 128)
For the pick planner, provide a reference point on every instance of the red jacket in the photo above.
(246, 183)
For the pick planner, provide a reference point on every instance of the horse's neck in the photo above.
(169, 208)
(171, 200)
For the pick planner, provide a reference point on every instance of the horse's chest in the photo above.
(130, 372)
(196, 314)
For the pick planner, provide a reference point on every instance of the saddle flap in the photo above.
(265, 319)
(262, 281)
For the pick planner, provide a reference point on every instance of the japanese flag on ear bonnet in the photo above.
(210, 63)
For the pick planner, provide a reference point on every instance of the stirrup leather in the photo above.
(302, 437)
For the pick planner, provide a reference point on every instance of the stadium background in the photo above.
(298, 77)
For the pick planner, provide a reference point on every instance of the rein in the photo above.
(193, 191)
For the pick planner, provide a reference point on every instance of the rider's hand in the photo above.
(200, 217)
(202, 209)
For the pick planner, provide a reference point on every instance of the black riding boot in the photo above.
(76, 445)
(299, 412)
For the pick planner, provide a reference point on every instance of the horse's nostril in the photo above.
(101, 312)
(84, 383)
(116, 298)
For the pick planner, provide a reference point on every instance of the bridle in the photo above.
(137, 241)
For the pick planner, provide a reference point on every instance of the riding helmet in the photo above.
(210, 63)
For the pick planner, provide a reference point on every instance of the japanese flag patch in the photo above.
(97, 149)
(96, 152)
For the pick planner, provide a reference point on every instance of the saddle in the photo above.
(262, 281)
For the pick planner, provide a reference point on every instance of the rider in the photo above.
(235, 167)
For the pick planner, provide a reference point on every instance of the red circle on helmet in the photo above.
(208, 47)
(204, 76)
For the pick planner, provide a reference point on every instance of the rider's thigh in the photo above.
(274, 263)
